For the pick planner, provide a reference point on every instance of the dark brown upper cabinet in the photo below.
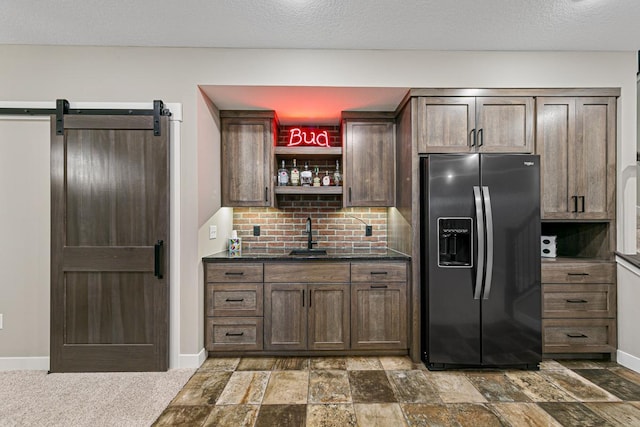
(369, 159)
(247, 144)
(576, 142)
(462, 124)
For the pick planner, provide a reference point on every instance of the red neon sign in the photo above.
(300, 136)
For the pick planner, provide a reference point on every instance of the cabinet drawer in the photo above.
(578, 335)
(379, 272)
(234, 299)
(578, 273)
(307, 272)
(234, 272)
(234, 333)
(576, 301)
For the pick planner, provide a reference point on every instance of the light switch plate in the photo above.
(1, 321)
(213, 232)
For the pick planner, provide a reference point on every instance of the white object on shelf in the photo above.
(548, 246)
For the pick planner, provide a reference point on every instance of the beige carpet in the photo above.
(33, 398)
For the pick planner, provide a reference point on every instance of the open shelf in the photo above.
(309, 190)
(578, 240)
(304, 152)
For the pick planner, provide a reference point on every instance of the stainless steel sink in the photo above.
(308, 252)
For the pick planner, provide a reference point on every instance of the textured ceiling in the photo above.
(327, 24)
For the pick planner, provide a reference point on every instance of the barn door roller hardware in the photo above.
(62, 109)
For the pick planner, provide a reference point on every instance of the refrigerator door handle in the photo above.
(489, 216)
(480, 232)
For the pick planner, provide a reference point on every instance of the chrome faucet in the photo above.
(308, 230)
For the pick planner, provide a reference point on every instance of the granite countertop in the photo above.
(633, 259)
(333, 254)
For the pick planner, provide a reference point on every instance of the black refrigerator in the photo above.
(480, 249)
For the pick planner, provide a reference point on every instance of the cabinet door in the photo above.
(329, 311)
(594, 156)
(555, 133)
(576, 142)
(246, 166)
(369, 163)
(504, 124)
(285, 316)
(378, 316)
(445, 124)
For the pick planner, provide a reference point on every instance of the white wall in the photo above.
(36, 73)
(24, 236)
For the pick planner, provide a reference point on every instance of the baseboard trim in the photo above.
(193, 360)
(24, 363)
(628, 360)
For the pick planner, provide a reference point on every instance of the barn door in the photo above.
(109, 244)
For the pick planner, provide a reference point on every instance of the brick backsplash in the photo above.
(335, 136)
(333, 226)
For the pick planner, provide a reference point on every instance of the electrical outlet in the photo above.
(1, 321)
(256, 230)
(213, 232)
(368, 231)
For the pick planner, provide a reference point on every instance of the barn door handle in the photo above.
(157, 259)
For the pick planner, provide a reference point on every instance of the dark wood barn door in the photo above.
(109, 244)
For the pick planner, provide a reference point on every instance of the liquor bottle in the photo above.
(306, 177)
(295, 174)
(283, 175)
(326, 179)
(337, 177)
(316, 178)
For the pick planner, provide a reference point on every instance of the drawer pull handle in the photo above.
(576, 335)
(379, 286)
(234, 273)
(234, 299)
(577, 301)
(234, 334)
(378, 272)
(577, 274)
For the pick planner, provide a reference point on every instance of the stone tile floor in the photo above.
(393, 391)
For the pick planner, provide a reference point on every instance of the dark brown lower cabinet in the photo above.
(328, 317)
(378, 316)
(301, 316)
(579, 307)
(286, 316)
(332, 307)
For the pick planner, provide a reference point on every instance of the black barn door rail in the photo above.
(62, 109)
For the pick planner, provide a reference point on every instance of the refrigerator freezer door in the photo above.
(453, 315)
(511, 325)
